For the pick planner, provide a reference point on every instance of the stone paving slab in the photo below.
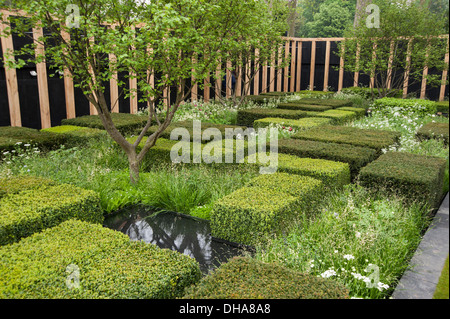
(421, 278)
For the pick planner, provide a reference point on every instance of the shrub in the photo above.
(442, 107)
(405, 106)
(360, 112)
(30, 211)
(247, 117)
(110, 266)
(438, 131)
(260, 99)
(356, 156)
(413, 177)
(339, 117)
(125, 123)
(317, 93)
(301, 124)
(265, 208)
(16, 184)
(299, 106)
(247, 278)
(375, 139)
(369, 93)
(334, 103)
(12, 137)
(332, 174)
(76, 135)
(277, 94)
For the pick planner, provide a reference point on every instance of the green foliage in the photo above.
(356, 156)
(405, 106)
(30, 211)
(248, 116)
(301, 124)
(334, 103)
(434, 130)
(338, 117)
(247, 278)
(369, 94)
(442, 107)
(16, 184)
(13, 137)
(331, 21)
(375, 139)
(303, 107)
(413, 177)
(360, 112)
(261, 99)
(76, 135)
(265, 208)
(110, 266)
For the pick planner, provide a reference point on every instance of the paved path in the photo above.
(420, 280)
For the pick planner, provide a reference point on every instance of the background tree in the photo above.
(407, 40)
(157, 38)
(331, 21)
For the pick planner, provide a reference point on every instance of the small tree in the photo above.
(170, 40)
(406, 41)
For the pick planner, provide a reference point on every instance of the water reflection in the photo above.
(190, 236)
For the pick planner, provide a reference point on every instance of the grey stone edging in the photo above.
(421, 278)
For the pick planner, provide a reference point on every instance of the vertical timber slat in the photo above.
(41, 69)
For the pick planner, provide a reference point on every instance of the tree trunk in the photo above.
(360, 12)
(134, 167)
(292, 17)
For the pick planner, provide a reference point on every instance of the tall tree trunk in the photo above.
(360, 12)
(292, 17)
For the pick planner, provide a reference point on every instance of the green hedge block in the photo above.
(264, 208)
(369, 93)
(124, 122)
(334, 103)
(415, 177)
(356, 156)
(299, 106)
(16, 184)
(376, 139)
(442, 107)
(301, 124)
(247, 117)
(317, 93)
(405, 106)
(260, 99)
(30, 211)
(19, 137)
(332, 174)
(76, 135)
(277, 94)
(109, 264)
(439, 131)
(247, 278)
(360, 112)
(339, 117)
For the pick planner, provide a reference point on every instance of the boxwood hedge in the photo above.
(414, 177)
(301, 124)
(334, 103)
(76, 135)
(16, 184)
(356, 156)
(376, 139)
(18, 137)
(338, 117)
(439, 131)
(299, 106)
(360, 112)
(248, 116)
(110, 266)
(29, 211)
(405, 106)
(247, 278)
(264, 208)
(442, 107)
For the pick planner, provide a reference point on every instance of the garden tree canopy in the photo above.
(407, 40)
(157, 38)
(331, 21)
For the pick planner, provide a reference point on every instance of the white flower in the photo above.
(349, 257)
(18, 143)
(329, 273)
(358, 234)
(27, 145)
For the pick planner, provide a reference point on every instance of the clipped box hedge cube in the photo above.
(438, 131)
(338, 117)
(299, 106)
(17, 184)
(356, 156)
(277, 94)
(332, 174)
(414, 177)
(29, 211)
(248, 278)
(301, 124)
(265, 208)
(77, 135)
(376, 139)
(405, 106)
(124, 122)
(334, 103)
(248, 116)
(109, 265)
(360, 112)
(261, 99)
(442, 107)
(18, 137)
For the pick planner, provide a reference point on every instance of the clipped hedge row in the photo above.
(109, 264)
(360, 112)
(415, 177)
(338, 117)
(29, 211)
(376, 139)
(76, 135)
(356, 156)
(301, 124)
(264, 208)
(369, 93)
(124, 122)
(332, 174)
(247, 278)
(299, 106)
(334, 103)
(247, 117)
(18, 137)
(439, 131)
(277, 94)
(405, 106)
(261, 99)
(442, 107)
(16, 184)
